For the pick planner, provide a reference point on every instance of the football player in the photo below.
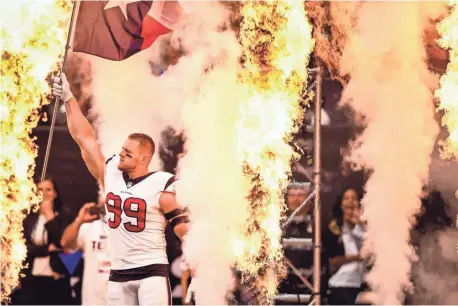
(138, 202)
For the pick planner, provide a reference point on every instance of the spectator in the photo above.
(296, 195)
(342, 240)
(300, 226)
(88, 233)
(310, 116)
(46, 280)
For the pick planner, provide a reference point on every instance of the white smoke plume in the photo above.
(391, 88)
(127, 100)
(78, 70)
(212, 184)
(435, 273)
(200, 95)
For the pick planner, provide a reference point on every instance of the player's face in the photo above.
(130, 155)
(47, 188)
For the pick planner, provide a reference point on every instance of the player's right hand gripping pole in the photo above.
(61, 88)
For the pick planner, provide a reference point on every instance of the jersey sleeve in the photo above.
(111, 160)
(163, 181)
(170, 185)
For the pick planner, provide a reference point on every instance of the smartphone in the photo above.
(95, 210)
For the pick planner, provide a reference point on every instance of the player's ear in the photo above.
(145, 159)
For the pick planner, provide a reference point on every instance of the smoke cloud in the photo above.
(435, 273)
(391, 88)
(127, 100)
(211, 179)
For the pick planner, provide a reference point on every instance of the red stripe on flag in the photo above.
(151, 30)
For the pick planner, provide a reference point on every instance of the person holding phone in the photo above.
(45, 281)
(342, 241)
(88, 233)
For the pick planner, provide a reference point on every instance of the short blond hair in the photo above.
(144, 139)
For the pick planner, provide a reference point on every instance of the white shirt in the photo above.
(41, 265)
(135, 221)
(350, 274)
(92, 238)
(325, 119)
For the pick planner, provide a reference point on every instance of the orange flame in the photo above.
(32, 41)
(447, 93)
(277, 40)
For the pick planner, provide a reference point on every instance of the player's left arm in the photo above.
(176, 216)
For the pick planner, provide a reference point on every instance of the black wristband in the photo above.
(179, 220)
(175, 213)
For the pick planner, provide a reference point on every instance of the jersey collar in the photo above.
(131, 182)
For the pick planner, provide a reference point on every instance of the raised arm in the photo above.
(338, 261)
(70, 236)
(81, 130)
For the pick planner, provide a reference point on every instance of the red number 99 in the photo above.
(133, 208)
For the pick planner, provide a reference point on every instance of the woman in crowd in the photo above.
(46, 280)
(342, 241)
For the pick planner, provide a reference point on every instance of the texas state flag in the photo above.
(116, 30)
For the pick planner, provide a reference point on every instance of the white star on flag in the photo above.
(122, 5)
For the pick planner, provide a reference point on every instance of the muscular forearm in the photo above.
(336, 262)
(181, 230)
(78, 125)
(70, 236)
(83, 134)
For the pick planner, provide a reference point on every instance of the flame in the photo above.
(447, 93)
(334, 21)
(276, 38)
(33, 34)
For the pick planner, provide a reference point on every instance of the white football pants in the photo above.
(153, 290)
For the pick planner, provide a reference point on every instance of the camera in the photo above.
(95, 210)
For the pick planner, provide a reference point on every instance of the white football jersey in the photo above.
(135, 221)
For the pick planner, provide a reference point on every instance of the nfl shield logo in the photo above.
(129, 184)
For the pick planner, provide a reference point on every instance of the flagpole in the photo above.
(56, 101)
(317, 185)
